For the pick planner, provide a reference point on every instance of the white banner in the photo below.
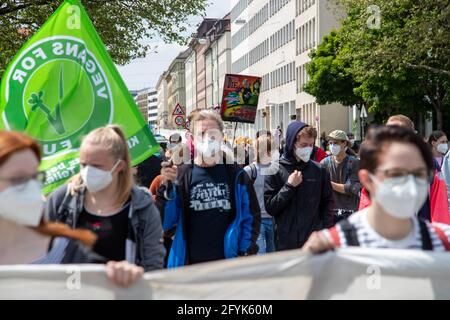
(345, 274)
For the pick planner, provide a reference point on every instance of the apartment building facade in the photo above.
(217, 60)
(272, 39)
(162, 102)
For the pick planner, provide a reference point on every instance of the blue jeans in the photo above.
(266, 241)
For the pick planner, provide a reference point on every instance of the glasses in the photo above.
(16, 181)
(403, 174)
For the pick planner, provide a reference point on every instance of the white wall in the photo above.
(281, 97)
(224, 61)
(191, 82)
(162, 101)
(209, 77)
(312, 20)
(315, 20)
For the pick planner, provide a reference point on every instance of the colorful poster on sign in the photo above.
(240, 98)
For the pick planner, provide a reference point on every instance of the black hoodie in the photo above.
(298, 211)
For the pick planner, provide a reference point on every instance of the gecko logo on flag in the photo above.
(62, 90)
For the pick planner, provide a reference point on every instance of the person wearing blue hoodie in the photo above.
(212, 204)
(299, 196)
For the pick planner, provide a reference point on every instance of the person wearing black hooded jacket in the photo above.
(299, 196)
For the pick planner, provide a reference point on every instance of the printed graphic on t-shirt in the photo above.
(207, 196)
(98, 225)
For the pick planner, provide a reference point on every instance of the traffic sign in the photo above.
(363, 114)
(178, 111)
(179, 120)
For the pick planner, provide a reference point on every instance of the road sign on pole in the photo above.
(179, 121)
(363, 114)
(178, 111)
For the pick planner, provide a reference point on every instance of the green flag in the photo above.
(63, 84)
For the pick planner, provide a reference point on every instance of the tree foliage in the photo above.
(396, 54)
(122, 24)
(331, 78)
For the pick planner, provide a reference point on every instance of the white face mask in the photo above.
(304, 153)
(335, 149)
(352, 142)
(172, 145)
(401, 199)
(442, 148)
(208, 148)
(97, 180)
(22, 204)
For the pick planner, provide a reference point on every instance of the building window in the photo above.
(238, 8)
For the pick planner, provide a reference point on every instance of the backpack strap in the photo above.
(327, 162)
(254, 171)
(427, 244)
(443, 237)
(350, 233)
(348, 166)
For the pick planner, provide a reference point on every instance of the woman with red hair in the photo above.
(25, 238)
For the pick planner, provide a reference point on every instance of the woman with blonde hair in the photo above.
(104, 199)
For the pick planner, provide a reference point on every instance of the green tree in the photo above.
(122, 24)
(394, 55)
(330, 77)
(400, 52)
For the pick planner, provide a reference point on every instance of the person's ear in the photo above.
(121, 166)
(366, 180)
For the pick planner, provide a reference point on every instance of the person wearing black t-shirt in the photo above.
(210, 213)
(111, 231)
(213, 205)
